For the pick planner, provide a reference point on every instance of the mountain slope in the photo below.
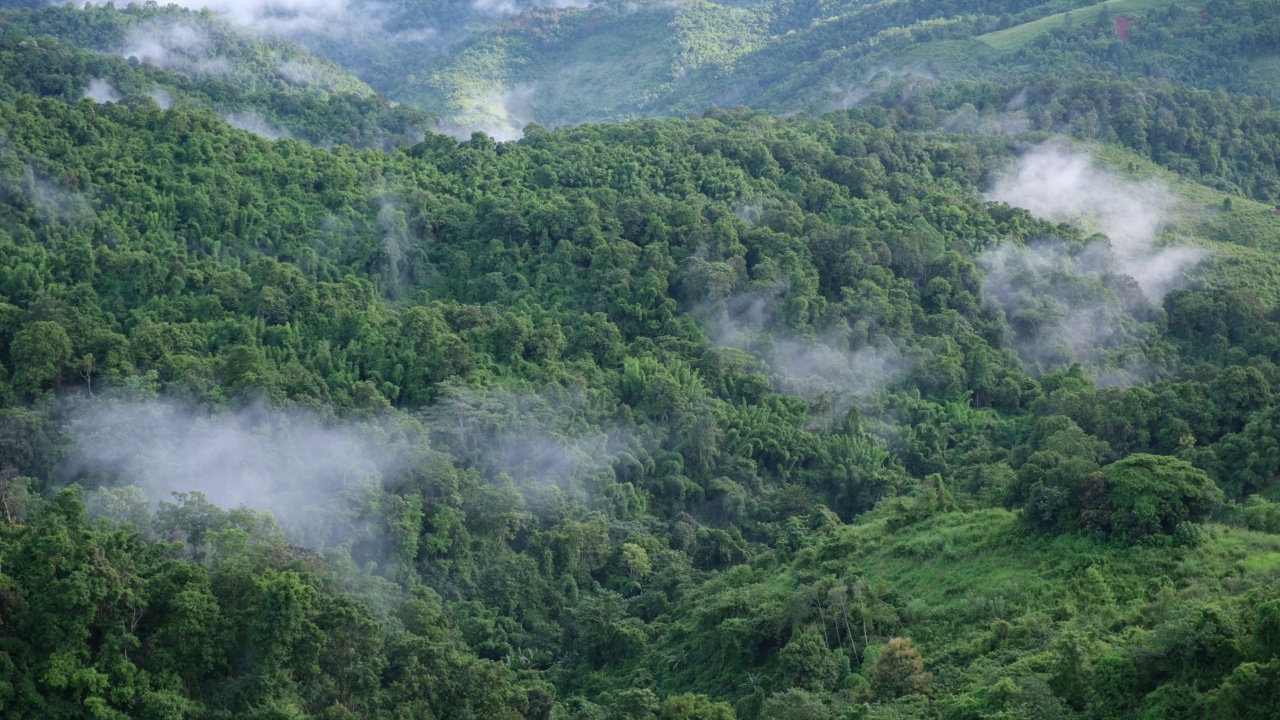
(962, 401)
(275, 89)
(565, 413)
(783, 58)
(198, 45)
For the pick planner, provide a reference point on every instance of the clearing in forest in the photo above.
(1015, 37)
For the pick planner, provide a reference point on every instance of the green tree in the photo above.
(795, 704)
(1152, 494)
(695, 707)
(806, 662)
(39, 351)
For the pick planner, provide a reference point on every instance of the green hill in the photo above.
(958, 399)
(614, 61)
(273, 88)
(1020, 627)
(198, 45)
(1019, 36)
(602, 421)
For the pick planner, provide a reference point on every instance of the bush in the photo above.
(1190, 535)
(794, 704)
(899, 670)
(1154, 494)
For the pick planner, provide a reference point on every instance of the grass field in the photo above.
(1267, 70)
(959, 575)
(1015, 37)
(1243, 243)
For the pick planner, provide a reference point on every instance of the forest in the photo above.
(960, 402)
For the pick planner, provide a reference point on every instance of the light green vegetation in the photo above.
(1019, 35)
(1267, 70)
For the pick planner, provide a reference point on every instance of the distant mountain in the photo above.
(195, 44)
(626, 59)
(497, 65)
(268, 85)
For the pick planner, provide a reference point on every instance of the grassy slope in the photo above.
(1244, 242)
(962, 573)
(1019, 35)
(982, 598)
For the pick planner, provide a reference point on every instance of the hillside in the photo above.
(955, 397)
(498, 68)
(272, 88)
(194, 44)
(624, 60)
(505, 387)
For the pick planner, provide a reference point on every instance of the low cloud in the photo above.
(162, 98)
(100, 91)
(288, 463)
(501, 114)
(251, 121)
(280, 16)
(1068, 305)
(496, 7)
(1019, 101)
(875, 82)
(303, 74)
(1057, 183)
(534, 438)
(967, 120)
(749, 212)
(174, 45)
(65, 202)
(502, 8)
(397, 246)
(811, 368)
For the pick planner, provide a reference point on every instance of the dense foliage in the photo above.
(734, 416)
(270, 87)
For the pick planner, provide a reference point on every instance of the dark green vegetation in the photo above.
(271, 87)
(727, 417)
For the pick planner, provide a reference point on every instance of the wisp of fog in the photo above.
(100, 91)
(1057, 183)
(1083, 304)
(284, 462)
(808, 367)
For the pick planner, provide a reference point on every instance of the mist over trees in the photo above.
(958, 399)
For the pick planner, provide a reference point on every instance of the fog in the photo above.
(1069, 303)
(52, 202)
(281, 16)
(162, 98)
(285, 462)
(255, 123)
(501, 115)
(396, 246)
(967, 120)
(810, 367)
(100, 91)
(501, 8)
(537, 439)
(174, 45)
(1058, 183)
